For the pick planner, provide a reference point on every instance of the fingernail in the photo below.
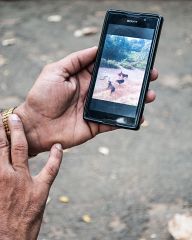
(14, 118)
(58, 146)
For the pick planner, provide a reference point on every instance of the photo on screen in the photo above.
(121, 71)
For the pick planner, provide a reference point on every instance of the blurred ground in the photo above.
(146, 178)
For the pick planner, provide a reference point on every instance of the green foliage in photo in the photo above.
(126, 52)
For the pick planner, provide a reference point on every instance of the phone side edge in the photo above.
(161, 20)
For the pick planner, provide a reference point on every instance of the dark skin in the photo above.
(23, 197)
(52, 113)
(53, 109)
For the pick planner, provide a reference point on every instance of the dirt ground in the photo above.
(131, 193)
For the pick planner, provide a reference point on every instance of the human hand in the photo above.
(53, 109)
(23, 197)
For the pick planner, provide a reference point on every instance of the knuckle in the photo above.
(1, 125)
(20, 147)
(17, 126)
(3, 143)
(48, 67)
(72, 55)
(52, 68)
(6, 176)
(52, 171)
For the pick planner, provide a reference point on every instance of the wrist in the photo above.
(28, 117)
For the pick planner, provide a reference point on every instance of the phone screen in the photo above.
(122, 66)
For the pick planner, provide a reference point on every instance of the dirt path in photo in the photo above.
(126, 93)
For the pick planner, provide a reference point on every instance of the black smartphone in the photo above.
(121, 72)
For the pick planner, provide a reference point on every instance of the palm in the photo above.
(74, 126)
(58, 98)
(63, 108)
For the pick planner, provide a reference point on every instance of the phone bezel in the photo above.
(108, 118)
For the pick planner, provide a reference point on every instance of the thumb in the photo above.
(51, 169)
(76, 61)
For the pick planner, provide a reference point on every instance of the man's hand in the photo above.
(23, 197)
(53, 110)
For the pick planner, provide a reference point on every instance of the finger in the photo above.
(90, 68)
(49, 172)
(151, 95)
(4, 144)
(100, 128)
(154, 74)
(19, 146)
(77, 61)
(142, 120)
